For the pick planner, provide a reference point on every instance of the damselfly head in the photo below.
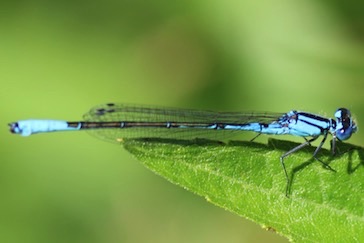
(345, 125)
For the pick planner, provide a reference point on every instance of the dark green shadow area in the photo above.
(247, 178)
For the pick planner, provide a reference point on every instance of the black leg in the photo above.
(251, 140)
(308, 142)
(333, 145)
(318, 149)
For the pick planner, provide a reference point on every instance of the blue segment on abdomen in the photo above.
(28, 127)
(273, 128)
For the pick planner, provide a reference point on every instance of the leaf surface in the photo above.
(247, 178)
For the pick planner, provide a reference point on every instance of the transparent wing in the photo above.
(135, 113)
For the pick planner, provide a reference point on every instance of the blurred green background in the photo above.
(58, 59)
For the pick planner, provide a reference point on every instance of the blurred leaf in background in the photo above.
(58, 59)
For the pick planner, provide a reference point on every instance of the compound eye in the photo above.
(344, 124)
(342, 114)
(344, 134)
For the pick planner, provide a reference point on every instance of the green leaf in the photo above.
(247, 178)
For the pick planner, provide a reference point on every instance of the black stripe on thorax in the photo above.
(313, 116)
(319, 118)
